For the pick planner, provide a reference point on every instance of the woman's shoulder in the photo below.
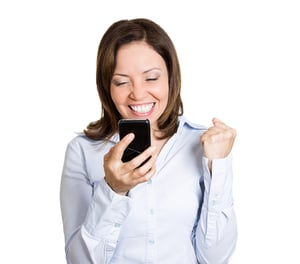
(83, 142)
(79, 138)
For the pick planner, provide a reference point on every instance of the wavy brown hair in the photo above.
(118, 34)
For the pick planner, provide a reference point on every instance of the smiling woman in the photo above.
(177, 206)
(159, 65)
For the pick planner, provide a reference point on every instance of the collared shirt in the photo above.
(183, 214)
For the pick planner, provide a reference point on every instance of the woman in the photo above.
(175, 208)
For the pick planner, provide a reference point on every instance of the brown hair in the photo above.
(118, 34)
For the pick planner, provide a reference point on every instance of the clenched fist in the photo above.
(218, 140)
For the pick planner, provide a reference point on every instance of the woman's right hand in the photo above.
(123, 176)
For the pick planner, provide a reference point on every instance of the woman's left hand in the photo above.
(218, 140)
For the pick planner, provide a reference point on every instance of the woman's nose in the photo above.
(138, 91)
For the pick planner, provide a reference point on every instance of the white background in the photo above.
(240, 62)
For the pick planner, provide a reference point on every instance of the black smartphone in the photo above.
(142, 140)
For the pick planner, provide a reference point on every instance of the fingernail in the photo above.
(130, 136)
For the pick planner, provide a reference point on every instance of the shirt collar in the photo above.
(184, 122)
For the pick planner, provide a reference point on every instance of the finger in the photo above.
(145, 167)
(231, 132)
(218, 135)
(210, 138)
(215, 129)
(211, 132)
(137, 161)
(120, 147)
(218, 123)
(144, 177)
(221, 128)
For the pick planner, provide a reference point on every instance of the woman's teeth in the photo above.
(142, 108)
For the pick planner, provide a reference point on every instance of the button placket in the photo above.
(151, 239)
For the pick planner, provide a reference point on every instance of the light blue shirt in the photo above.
(183, 215)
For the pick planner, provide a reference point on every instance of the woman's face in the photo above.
(139, 86)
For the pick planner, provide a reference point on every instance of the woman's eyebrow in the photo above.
(152, 69)
(120, 74)
(146, 71)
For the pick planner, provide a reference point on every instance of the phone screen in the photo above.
(142, 139)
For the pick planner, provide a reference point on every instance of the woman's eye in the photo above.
(121, 83)
(151, 79)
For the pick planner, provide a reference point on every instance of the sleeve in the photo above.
(216, 232)
(92, 216)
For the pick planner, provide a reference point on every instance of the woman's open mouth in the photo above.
(142, 109)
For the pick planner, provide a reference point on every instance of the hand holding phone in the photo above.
(122, 178)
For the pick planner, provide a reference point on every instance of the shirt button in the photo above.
(117, 225)
(151, 241)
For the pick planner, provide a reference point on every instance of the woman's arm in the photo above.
(216, 233)
(92, 215)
